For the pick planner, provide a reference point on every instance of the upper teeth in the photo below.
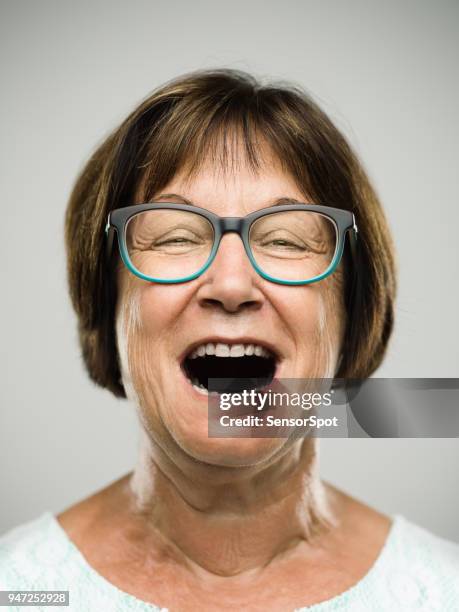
(229, 350)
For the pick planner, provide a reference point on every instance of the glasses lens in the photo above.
(169, 244)
(294, 245)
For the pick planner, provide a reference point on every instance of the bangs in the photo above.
(239, 131)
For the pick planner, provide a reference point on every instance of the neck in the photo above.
(227, 521)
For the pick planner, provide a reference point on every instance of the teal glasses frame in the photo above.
(343, 220)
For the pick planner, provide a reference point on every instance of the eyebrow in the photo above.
(183, 200)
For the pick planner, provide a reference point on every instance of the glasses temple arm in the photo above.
(353, 235)
(355, 288)
(110, 234)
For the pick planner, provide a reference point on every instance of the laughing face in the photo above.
(227, 322)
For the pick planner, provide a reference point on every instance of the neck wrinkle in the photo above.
(231, 529)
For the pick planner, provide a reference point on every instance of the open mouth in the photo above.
(229, 367)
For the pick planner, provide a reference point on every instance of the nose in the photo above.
(230, 282)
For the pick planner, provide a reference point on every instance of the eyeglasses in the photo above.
(291, 244)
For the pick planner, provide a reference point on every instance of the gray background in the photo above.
(387, 74)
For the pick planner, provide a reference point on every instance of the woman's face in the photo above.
(230, 304)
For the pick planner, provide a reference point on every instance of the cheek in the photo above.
(146, 318)
(139, 327)
(315, 310)
(316, 322)
(150, 310)
(159, 309)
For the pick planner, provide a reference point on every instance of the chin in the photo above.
(228, 452)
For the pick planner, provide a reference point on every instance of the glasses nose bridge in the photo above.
(231, 224)
(234, 225)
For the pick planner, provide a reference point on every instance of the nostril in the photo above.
(230, 305)
(231, 286)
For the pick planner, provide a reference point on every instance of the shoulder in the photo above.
(38, 556)
(417, 543)
(420, 567)
(39, 550)
(28, 553)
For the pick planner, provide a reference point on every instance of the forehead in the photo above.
(237, 188)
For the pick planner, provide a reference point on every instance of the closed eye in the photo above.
(285, 244)
(178, 241)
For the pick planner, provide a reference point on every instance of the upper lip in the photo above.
(239, 340)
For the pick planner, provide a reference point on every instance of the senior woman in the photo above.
(185, 293)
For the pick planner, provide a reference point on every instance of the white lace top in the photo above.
(415, 571)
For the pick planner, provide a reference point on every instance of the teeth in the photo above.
(249, 349)
(222, 350)
(237, 350)
(229, 350)
(203, 391)
(200, 388)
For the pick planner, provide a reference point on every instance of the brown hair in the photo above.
(180, 125)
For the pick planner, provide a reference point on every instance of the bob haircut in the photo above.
(198, 117)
